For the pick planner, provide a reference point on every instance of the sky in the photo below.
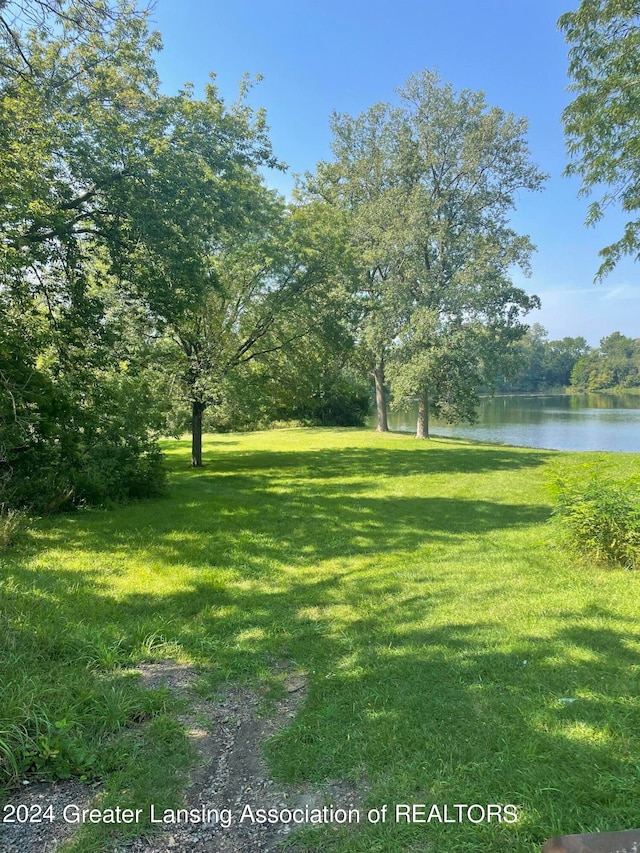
(345, 55)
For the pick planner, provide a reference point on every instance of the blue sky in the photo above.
(345, 56)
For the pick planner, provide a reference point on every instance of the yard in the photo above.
(453, 650)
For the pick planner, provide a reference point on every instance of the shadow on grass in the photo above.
(460, 712)
(287, 507)
(257, 532)
(444, 714)
(353, 462)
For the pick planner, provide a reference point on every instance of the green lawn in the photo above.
(440, 619)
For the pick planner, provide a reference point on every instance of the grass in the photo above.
(10, 522)
(420, 585)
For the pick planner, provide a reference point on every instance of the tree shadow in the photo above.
(427, 713)
(353, 462)
(291, 507)
(257, 531)
(292, 556)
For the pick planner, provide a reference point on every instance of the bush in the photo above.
(82, 444)
(601, 516)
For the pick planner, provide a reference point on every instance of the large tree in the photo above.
(602, 124)
(114, 200)
(73, 106)
(271, 278)
(370, 181)
(428, 187)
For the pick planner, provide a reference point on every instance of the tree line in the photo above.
(150, 280)
(614, 365)
(570, 363)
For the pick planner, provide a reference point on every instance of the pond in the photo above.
(560, 422)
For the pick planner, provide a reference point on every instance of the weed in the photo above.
(601, 515)
(11, 520)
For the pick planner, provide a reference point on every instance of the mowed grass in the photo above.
(455, 651)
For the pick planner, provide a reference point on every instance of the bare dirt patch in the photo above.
(40, 835)
(228, 734)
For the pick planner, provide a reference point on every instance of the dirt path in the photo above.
(228, 736)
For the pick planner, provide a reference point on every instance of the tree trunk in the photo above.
(197, 409)
(422, 428)
(381, 400)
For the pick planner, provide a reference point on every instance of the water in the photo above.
(576, 422)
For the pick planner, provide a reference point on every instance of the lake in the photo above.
(560, 422)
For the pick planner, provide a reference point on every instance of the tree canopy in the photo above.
(427, 188)
(73, 109)
(602, 124)
(615, 364)
(141, 257)
(148, 275)
(113, 200)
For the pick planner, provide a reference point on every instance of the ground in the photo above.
(384, 620)
(228, 734)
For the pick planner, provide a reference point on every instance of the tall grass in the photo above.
(601, 515)
(11, 520)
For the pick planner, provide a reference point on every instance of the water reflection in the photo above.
(576, 422)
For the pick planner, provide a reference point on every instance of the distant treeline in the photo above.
(572, 363)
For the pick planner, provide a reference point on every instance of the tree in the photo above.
(311, 378)
(367, 183)
(559, 359)
(428, 187)
(270, 278)
(74, 105)
(530, 354)
(114, 202)
(110, 188)
(444, 364)
(248, 285)
(196, 239)
(602, 124)
(539, 364)
(614, 365)
(314, 377)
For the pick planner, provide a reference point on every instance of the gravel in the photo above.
(230, 774)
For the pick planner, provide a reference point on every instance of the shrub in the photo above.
(94, 444)
(601, 516)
